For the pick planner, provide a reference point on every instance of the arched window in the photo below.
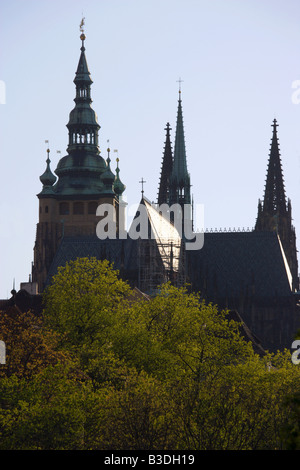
(46, 209)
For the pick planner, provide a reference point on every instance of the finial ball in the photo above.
(82, 37)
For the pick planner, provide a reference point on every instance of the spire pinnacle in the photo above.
(166, 170)
(119, 187)
(180, 178)
(48, 178)
(274, 199)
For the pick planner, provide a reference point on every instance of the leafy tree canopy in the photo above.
(106, 369)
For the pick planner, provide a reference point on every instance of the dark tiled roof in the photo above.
(122, 253)
(231, 264)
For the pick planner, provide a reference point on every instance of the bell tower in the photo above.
(84, 180)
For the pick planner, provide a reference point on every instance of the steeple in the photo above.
(274, 199)
(180, 178)
(166, 170)
(274, 203)
(80, 171)
(83, 124)
(275, 212)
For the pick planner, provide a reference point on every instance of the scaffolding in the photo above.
(161, 257)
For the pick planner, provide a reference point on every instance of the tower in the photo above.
(174, 187)
(180, 178)
(275, 212)
(68, 203)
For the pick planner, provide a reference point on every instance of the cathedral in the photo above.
(253, 273)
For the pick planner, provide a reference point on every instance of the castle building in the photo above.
(253, 273)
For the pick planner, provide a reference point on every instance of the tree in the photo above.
(119, 373)
(44, 412)
(29, 346)
(82, 300)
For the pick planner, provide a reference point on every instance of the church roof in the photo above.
(232, 264)
(122, 253)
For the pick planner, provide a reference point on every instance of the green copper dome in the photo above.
(48, 178)
(119, 187)
(108, 177)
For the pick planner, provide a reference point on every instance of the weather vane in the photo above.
(82, 35)
(81, 26)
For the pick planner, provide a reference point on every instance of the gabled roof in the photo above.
(165, 233)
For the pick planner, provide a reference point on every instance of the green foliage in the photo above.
(82, 300)
(121, 372)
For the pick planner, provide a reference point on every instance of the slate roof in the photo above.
(122, 253)
(230, 264)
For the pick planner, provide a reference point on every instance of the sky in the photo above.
(239, 62)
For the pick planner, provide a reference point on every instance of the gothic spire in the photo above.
(166, 170)
(180, 178)
(274, 198)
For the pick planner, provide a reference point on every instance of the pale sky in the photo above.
(238, 60)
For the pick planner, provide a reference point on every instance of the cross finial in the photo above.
(275, 125)
(168, 128)
(142, 182)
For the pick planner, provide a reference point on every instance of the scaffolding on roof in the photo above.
(161, 257)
